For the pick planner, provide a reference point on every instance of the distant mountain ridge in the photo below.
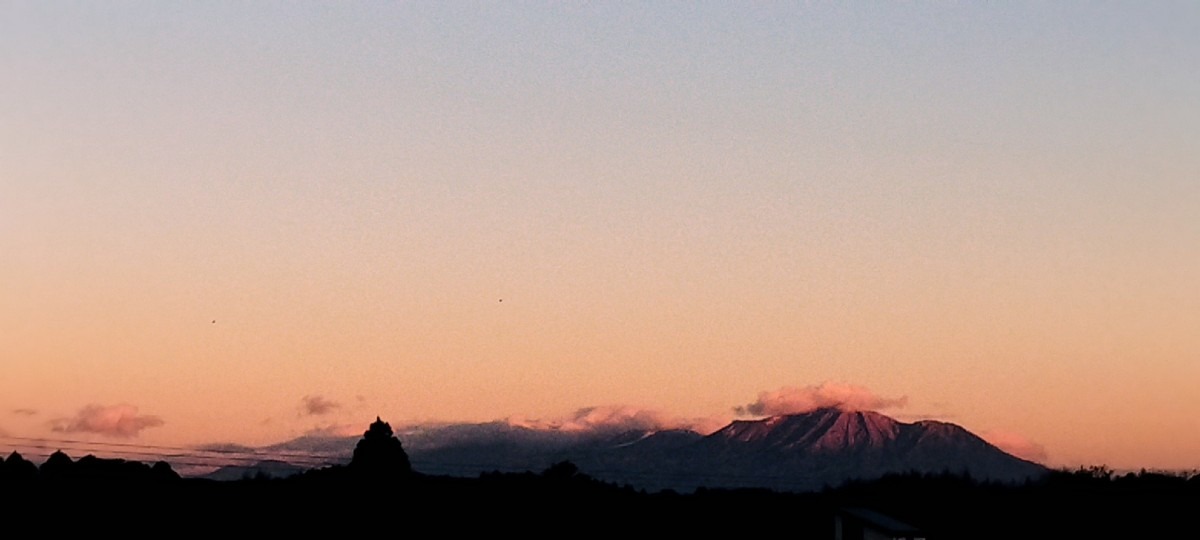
(797, 452)
(267, 468)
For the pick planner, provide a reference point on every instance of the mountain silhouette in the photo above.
(267, 468)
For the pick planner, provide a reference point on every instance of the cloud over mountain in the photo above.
(617, 418)
(226, 448)
(120, 420)
(793, 400)
(1016, 444)
(335, 430)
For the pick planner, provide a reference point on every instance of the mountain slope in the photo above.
(803, 452)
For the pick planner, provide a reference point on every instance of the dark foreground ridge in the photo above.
(379, 492)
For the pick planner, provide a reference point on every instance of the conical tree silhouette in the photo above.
(57, 467)
(18, 469)
(379, 453)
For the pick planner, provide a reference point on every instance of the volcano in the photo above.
(828, 447)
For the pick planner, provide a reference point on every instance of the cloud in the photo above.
(792, 400)
(24, 412)
(1015, 444)
(226, 448)
(918, 416)
(317, 405)
(615, 417)
(114, 421)
(336, 430)
(618, 418)
(709, 424)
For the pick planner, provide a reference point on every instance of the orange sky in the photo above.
(476, 212)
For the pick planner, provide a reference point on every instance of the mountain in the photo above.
(830, 446)
(468, 449)
(269, 468)
(798, 452)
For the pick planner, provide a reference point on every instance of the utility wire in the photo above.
(157, 447)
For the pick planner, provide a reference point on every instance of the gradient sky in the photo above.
(242, 221)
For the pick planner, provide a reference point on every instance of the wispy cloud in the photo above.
(226, 448)
(917, 416)
(794, 400)
(24, 412)
(1015, 444)
(336, 430)
(618, 418)
(317, 405)
(120, 420)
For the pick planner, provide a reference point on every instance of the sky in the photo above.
(243, 222)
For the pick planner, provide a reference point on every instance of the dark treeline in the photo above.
(379, 492)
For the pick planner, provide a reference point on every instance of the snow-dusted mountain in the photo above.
(830, 446)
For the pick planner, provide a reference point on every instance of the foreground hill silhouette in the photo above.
(379, 492)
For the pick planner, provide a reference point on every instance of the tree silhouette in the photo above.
(162, 471)
(379, 454)
(561, 472)
(57, 467)
(17, 469)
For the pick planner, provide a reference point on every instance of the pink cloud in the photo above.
(114, 421)
(793, 400)
(1015, 444)
(619, 418)
(317, 405)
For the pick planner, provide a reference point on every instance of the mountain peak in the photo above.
(845, 430)
(821, 430)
